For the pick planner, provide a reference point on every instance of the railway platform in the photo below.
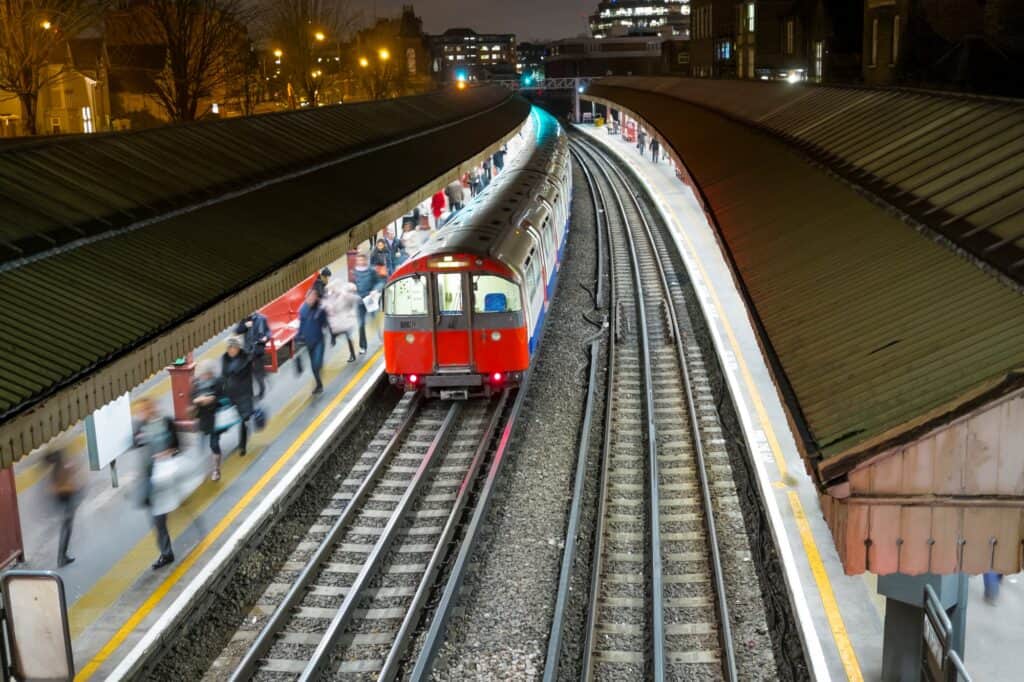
(841, 616)
(114, 596)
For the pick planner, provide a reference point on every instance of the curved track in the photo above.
(657, 600)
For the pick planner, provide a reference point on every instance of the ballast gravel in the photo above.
(508, 600)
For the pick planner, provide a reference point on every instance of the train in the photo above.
(463, 315)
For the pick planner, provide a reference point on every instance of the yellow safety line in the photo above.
(828, 598)
(831, 607)
(182, 568)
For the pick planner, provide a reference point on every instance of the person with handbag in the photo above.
(65, 485)
(207, 390)
(236, 373)
(156, 435)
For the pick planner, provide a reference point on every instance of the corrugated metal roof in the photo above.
(954, 163)
(189, 228)
(876, 330)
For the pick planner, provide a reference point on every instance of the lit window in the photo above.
(87, 120)
(790, 38)
(750, 17)
(493, 294)
(407, 296)
(449, 293)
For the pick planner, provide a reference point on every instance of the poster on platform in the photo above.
(108, 432)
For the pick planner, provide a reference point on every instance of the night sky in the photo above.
(528, 19)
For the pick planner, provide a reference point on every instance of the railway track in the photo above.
(658, 606)
(350, 602)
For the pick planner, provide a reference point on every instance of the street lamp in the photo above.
(383, 54)
(364, 62)
(278, 53)
(46, 24)
(320, 37)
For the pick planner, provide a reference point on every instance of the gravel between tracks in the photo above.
(508, 600)
(203, 639)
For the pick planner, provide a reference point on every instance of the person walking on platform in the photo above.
(256, 330)
(320, 283)
(65, 485)
(499, 159)
(312, 321)
(475, 181)
(410, 238)
(383, 259)
(236, 373)
(367, 281)
(157, 436)
(207, 390)
(641, 141)
(655, 149)
(486, 176)
(437, 206)
(342, 308)
(456, 195)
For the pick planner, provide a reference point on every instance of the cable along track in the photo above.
(349, 604)
(657, 606)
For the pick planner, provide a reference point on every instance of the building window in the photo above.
(410, 61)
(750, 17)
(874, 43)
(819, 60)
(55, 126)
(790, 30)
(895, 41)
(87, 126)
(723, 50)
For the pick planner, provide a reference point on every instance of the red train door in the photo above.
(452, 329)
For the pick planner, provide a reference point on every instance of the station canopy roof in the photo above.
(109, 242)
(877, 237)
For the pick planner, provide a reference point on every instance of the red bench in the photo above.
(283, 316)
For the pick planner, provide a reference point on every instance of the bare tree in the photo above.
(304, 30)
(246, 77)
(33, 46)
(382, 76)
(202, 38)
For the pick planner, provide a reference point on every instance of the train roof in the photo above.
(490, 224)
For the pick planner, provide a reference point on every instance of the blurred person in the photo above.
(342, 309)
(437, 206)
(456, 195)
(382, 258)
(66, 488)
(641, 141)
(475, 181)
(236, 375)
(411, 241)
(367, 282)
(207, 390)
(992, 581)
(486, 172)
(655, 149)
(156, 435)
(499, 158)
(312, 322)
(256, 330)
(320, 283)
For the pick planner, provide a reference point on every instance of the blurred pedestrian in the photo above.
(156, 435)
(655, 149)
(486, 173)
(312, 322)
(499, 159)
(641, 141)
(475, 181)
(410, 238)
(342, 309)
(456, 195)
(992, 581)
(437, 206)
(256, 330)
(66, 487)
(207, 390)
(367, 282)
(236, 373)
(382, 259)
(320, 283)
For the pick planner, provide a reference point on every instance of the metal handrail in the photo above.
(259, 647)
(950, 667)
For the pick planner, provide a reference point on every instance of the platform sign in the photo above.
(108, 432)
(35, 620)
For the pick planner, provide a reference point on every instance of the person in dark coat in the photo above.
(320, 283)
(157, 436)
(655, 149)
(236, 373)
(207, 390)
(312, 323)
(382, 258)
(367, 281)
(499, 158)
(256, 330)
(66, 488)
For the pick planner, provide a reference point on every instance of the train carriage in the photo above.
(462, 316)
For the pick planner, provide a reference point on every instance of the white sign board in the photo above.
(37, 626)
(108, 432)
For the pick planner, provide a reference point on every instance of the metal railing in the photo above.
(939, 662)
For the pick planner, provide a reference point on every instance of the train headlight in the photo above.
(410, 338)
(495, 336)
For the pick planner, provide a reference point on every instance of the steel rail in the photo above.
(653, 480)
(322, 655)
(261, 645)
(722, 606)
(394, 659)
(551, 662)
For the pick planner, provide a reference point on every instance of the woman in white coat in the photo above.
(341, 304)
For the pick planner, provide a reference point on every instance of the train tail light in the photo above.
(497, 378)
(413, 379)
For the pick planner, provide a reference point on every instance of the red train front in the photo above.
(454, 325)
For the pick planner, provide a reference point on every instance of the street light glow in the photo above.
(278, 53)
(364, 62)
(384, 54)
(320, 37)
(46, 24)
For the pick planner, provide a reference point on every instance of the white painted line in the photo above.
(129, 664)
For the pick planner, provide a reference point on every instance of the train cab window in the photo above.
(407, 296)
(493, 294)
(449, 293)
